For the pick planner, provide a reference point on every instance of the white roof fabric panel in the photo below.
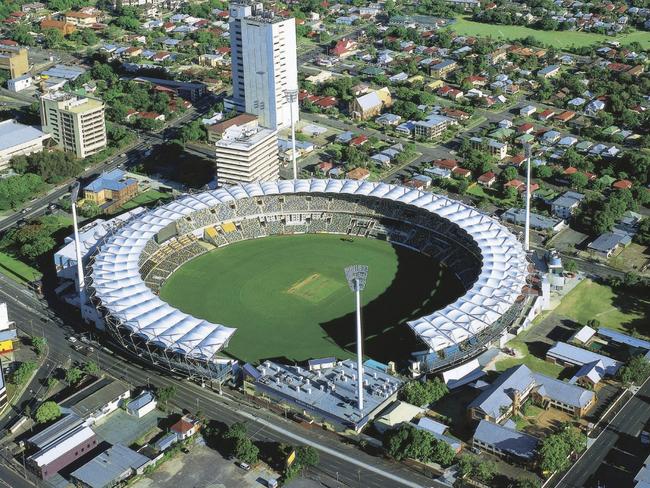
(117, 281)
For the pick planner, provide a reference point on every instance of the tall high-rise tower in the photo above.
(264, 66)
(239, 10)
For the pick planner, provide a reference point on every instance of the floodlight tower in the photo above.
(356, 276)
(292, 97)
(77, 244)
(527, 150)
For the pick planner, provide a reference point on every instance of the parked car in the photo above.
(244, 466)
(645, 438)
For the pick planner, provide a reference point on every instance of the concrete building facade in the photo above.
(247, 154)
(77, 124)
(264, 64)
(14, 59)
(17, 140)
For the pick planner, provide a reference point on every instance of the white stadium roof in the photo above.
(117, 282)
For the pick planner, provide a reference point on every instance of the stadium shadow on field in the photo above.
(414, 292)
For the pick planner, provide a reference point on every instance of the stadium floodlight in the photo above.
(527, 150)
(357, 276)
(74, 194)
(292, 97)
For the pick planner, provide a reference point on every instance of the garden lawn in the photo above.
(614, 309)
(17, 270)
(146, 198)
(533, 362)
(557, 39)
(288, 297)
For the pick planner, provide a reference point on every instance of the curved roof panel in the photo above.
(117, 282)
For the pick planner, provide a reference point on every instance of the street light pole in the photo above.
(357, 276)
(292, 97)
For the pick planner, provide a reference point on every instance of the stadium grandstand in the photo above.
(132, 262)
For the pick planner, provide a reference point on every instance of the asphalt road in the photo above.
(337, 459)
(626, 425)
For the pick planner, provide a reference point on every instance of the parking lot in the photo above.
(203, 468)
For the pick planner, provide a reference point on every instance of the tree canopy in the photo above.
(47, 411)
(422, 393)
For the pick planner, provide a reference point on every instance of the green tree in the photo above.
(20, 34)
(636, 371)
(47, 411)
(73, 376)
(307, 456)
(509, 173)
(570, 266)
(92, 368)
(23, 372)
(246, 450)
(166, 393)
(52, 382)
(423, 393)
(18, 189)
(543, 171)
(578, 180)
(90, 210)
(39, 344)
(442, 453)
(528, 483)
(52, 38)
(485, 471)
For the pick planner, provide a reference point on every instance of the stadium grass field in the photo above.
(288, 297)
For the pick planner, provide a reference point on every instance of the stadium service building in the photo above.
(131, 263)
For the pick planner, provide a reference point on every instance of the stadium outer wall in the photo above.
(132, 262)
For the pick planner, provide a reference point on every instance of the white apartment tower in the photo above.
(264, 65)
(247, 154)
(238, 11)
(76, 123)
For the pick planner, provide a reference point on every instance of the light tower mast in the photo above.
(527, 150)
(292, 97)
(77, 244)
(357, 276)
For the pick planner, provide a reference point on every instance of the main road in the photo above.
(338, 460)
(626, 425)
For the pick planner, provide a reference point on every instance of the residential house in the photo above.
(64, 28)
(549, 71)
(505, 442)
(508, 393)
(565, 205)
(443, 68)
(495, 148)
(110, 468)
(141, 405)
(527, 110)
(344, 48)
(570, 355)
(608, 243)
(487, 179)
(433, 126)
(186, 427)
(358, 174)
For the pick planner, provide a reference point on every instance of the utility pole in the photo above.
(292, 97)
(357, 276)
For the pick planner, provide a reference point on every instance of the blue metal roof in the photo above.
(109, 467)
(507, 440)
(141, 400)
(578, 356)
(621, 338)
(113, 180)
